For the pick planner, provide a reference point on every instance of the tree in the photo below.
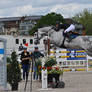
(13, 71)
(47, 20)
(85, 18)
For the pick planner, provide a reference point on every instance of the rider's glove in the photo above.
(65, 32)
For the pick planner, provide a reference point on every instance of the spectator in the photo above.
(35, 55)
(25, 63)
(20, 47)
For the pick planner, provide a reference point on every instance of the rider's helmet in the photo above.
(57, 22)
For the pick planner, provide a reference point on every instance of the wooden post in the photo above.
(48, 46)
(45, 46)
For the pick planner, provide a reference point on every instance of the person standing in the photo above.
(35, 55)
(20, 47)
(25, 63)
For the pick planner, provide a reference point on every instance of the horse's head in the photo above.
(42, 32)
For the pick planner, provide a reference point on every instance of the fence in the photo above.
(70, 59)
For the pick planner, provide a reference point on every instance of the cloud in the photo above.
(67, 8)
(14, 3)
(41, 3)
(29, 10)
(23, 10)
(70, 10)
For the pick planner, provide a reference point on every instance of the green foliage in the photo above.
(55, 71)
(85, 18)
(8, 60)
(50, 19)
(50, 65)
(47, 20)
(38, 62)
(32, 31)
(50, 62)
(13, 70)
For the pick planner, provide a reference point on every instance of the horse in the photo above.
(57, 38)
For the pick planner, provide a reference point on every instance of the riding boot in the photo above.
(68, 34)
(62, 45)
(69, 39)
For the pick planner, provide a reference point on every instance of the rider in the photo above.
(61, 26)
(68, 28)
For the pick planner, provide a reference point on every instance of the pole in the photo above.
(25, 84)
(5, 66)
(87, 63)
(31, 76)
(37, 38)
(48, 46)
(27, 78)
(45, 46)
(44, 79)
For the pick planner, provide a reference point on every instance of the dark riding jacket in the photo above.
(78, 27)
(62, 26)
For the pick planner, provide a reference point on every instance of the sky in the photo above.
(67, 8)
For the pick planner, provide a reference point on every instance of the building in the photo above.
(11, 25)
(13, 43)
(21, 25)
(28, 23)
(17, 25)
(1, 28)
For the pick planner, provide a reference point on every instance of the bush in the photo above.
(50, 62)
(13, 70)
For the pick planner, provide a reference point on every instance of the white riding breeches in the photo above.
(70, 28)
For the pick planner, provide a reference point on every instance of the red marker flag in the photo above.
(26, 44)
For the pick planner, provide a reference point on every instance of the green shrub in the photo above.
(50, 62)
(13, 70)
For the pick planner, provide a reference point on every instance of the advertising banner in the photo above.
(76, 54)
(1, 67)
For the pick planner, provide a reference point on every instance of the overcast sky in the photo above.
(67, 8)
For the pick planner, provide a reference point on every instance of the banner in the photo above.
(1, 67)
(1, 51)
(76, 54)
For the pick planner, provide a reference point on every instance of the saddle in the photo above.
(71, 35)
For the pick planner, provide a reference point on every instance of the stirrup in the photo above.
(69, 40)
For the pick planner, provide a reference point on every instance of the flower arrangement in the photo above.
(51, 66)
(56, 69)
(53, 69)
